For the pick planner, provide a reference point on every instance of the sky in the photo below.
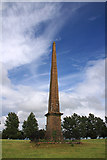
(28, 31)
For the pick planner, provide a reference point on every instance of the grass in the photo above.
(25, 149)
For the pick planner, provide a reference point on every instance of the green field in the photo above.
(25, 149)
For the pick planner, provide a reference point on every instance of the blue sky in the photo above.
(29, 29)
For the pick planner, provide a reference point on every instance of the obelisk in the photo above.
(53, 127)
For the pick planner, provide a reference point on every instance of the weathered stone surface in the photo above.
(53, 129)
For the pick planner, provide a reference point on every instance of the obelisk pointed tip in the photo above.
(54, 46)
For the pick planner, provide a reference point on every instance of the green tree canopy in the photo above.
(106, 119)
(71, 127)
(30, 127)
(12, 124)
(96, 127)
(77, 127)
(41, 134)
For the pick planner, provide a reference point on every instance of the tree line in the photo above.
(29, 130)
(77, 127)
(73, 127)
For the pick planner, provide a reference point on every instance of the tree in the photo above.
(12, 124)
(30, 127)
(21, 135)
(4, 134)
(100, 127)
(96, 127)
(106, 126)
(0, 135)
(77, 127)
(106, 119)
(83, 126)
(41, 134)
(91, 129)
(71, 127)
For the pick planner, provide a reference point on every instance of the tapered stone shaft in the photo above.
(53, 97)
(53, 129)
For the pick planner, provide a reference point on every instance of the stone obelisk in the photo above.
(53, 127)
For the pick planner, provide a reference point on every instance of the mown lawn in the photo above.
(25, 149)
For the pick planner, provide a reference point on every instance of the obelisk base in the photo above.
(53, 128)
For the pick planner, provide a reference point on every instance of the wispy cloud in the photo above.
(93, 18)
(25, 28)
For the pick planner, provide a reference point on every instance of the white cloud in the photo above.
(2, 122)
(4, 80)
(92, 18)
(22, 26)
(94, 80)
(24, 98)
(88, 96)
